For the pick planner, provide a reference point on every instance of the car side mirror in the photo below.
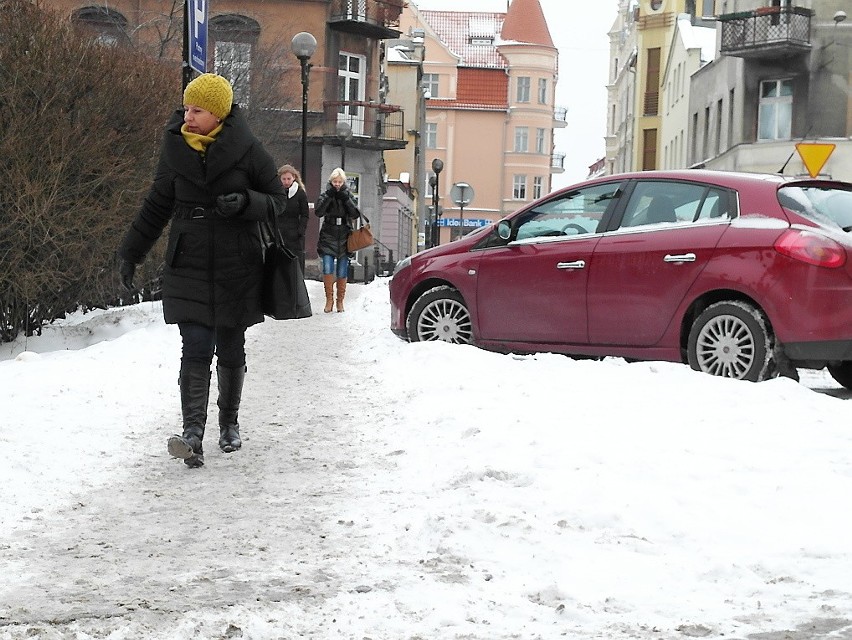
(504, 229)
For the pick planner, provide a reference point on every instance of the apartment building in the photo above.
(782, 77)
(341, 96)
(779, 74)
(488, 85)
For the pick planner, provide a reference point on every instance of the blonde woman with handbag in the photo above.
(337, 208)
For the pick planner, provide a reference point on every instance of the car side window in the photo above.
(577, 212)
(672, 203)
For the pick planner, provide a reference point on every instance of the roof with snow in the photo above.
(471, 35)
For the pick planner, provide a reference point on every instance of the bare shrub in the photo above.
(80, 129)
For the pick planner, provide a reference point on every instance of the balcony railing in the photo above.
(766, 32)
(371, 18)
(380, 126)
(560, 116)
(557, 163)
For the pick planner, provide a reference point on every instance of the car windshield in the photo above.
(830, 205)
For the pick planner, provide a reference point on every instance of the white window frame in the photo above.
(540, 140)
(542, 90)
(430, 135)
(431, 83)
(522, 139)
(538, 187)
(352, 115)
(519, 187)
(775, 113)
(523, 89)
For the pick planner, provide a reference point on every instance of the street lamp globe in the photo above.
(303, 45)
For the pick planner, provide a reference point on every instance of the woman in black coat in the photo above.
(293, 220)
(338, 209)
(214, 182)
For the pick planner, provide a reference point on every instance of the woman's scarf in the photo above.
(199, 141)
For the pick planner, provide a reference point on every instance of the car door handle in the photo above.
(683, 257)
(577, 264)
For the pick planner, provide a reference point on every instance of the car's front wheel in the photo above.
(440, 314)
(842, 373)
(732, 340)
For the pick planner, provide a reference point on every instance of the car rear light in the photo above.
(811, 248)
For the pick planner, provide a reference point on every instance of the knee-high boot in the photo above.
(194, 393)
(341, 293)
(230, 392)
(328, 285)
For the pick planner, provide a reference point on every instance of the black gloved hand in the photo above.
(231, 204)
(126, 269)
(342, 193)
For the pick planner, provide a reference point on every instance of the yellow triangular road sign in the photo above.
(814, 155)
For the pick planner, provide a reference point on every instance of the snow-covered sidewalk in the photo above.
(427, 491)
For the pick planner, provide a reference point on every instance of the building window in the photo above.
(538, 187)
(351, 80)
(108, 26)
(542, 90)
(234, 37)
(730, 119)
(431, 137)
(719, 106)
(775, 112)
(233, 60)
(519, 188)
(649, 149)
(523, 89)
(431, 84)
(522, 141)
(539, 140)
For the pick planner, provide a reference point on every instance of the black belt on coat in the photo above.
(192, 213)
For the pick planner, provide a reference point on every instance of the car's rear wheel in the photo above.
(440, 314)
(732, 340)
(842, 373)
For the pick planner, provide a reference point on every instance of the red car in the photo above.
(740, 275)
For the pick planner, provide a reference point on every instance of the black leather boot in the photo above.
(194, 393)
(230, 391)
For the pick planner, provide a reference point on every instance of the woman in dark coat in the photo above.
(214, 182)
(293, 220)
(338, 209)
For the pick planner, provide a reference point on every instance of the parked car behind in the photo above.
(745, 276)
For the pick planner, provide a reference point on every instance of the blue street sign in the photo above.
(197, 34)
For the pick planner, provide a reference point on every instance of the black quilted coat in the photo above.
(213, 265)
(339, 211)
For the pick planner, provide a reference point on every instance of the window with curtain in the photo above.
(775, 110)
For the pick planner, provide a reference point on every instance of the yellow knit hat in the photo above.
(210, 92)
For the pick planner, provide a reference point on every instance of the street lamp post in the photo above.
(303, 47)
(344, 132)
(437, 167)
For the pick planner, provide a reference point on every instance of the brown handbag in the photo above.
(360, 237)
